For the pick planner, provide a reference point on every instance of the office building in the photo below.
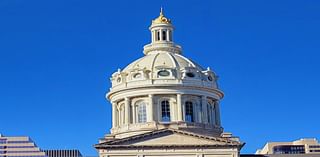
(63, 153)
(19, 147)
(302, 146)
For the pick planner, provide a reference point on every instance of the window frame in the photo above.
(165, 110)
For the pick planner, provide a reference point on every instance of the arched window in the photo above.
(164, 35)
(142, 112)
(189, 111)
(165, 111)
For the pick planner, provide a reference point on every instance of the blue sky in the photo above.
(56, 58)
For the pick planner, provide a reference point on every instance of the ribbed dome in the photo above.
(164, 89)
(154, 61)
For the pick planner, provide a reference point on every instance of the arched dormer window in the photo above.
(189, 111)
(142, 112)
(165, 111)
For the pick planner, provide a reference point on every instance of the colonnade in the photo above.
(130, 114)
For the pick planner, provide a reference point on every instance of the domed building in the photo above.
(165, 104)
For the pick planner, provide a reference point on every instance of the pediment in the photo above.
(174, 139)
(168, 137)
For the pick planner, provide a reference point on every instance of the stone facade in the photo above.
(165, 104)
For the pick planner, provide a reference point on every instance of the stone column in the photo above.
(168, 35)
(160, 34)
(126, 110)
(204, 109)
(133, 114)
(179, 106)
(114, 114)
(150, 111)
(217, 113)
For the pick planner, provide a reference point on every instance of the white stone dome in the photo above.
(156, 60)
(163, 68)
(164, 89)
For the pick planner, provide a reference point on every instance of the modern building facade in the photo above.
(63, 153)
(19, 147)
(302, 146)
(165, 104)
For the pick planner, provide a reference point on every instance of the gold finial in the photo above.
(161, 19)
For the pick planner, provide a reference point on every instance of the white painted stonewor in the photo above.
(163, 73)
(166, 105)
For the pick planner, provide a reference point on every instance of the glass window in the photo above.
(189, 111)
(165, 111)
(142, 112)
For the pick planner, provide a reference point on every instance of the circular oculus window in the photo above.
(163, 73)
(210, 78)
(137, 75)
(189, 74)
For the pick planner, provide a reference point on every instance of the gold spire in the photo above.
(161, 19)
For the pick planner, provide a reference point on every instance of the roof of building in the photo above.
(164, 59)
(128, 142)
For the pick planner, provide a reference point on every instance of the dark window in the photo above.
(189, 74)
(289, 149)
(165, 111)
(210, 78)
(189, 111)
(164, 35)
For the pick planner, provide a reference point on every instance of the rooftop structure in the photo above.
(19, 147)
(302, 146)
(63, 153)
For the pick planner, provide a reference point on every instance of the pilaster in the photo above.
(179, 106)
(204, 109)
(126, 110)
(150, 109)
(114, 114)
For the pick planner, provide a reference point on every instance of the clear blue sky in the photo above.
(56, 58)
